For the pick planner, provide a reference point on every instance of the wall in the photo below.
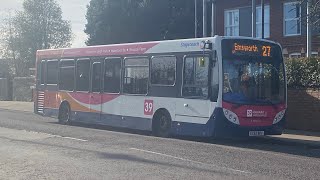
(21, 88)
(303, 109)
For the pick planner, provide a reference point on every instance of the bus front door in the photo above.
(96, 91)
(194, 107)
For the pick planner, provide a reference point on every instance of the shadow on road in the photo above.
(256, 143)
(123, 157)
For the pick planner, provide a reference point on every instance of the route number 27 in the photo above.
(266, 51)
(148, 107)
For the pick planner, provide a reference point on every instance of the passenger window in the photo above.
(52, 72)
(96, 77)
(136, 75)
(163, 70)
(195, 80)
(112, 75)
(66, 80)
(83, 73)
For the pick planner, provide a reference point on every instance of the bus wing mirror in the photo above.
(214, 58)
(206, 45)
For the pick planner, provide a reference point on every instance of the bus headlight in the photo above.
(231, 116)
(279, 116)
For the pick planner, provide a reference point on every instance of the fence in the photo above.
(4, 89)
(21, 88)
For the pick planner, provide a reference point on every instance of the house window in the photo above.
(266, 21)
(314, 54)
(292, 15)
(295, 55)
(231, 22)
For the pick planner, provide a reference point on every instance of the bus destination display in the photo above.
(243, 48)
(264, 51)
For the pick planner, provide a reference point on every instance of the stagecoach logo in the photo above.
(251, 113)
(189, 44)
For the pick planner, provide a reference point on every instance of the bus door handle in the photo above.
(185, 105)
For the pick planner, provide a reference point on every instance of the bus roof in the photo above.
(140, 48)
(180, 45)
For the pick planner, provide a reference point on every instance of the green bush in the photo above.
(303, 72)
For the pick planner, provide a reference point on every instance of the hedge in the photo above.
(303, 72)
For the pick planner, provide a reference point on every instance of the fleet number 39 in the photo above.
(148, 107)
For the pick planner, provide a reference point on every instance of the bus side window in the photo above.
(43, 72)
(215, 83)
(163, 70)
(66, 78)
(112, 75)
(83, 73)
(96, 77)
(136, 75)
(52, 72)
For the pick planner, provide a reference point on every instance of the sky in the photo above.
(73, 10)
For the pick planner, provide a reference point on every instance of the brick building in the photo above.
(284, 23)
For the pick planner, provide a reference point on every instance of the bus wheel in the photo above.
(161, 124)
(64, 114)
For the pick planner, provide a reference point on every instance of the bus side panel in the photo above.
(51, 104)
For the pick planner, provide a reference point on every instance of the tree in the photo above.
(120, 21)
(38, 26)
(314, 12)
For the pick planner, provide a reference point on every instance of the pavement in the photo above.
(36, 147)
(304, 138)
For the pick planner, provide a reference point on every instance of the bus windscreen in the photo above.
(253, 72)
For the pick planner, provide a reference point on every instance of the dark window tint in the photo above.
(83, 73)
(66, 80)
(112, 75)
(96, 77)
(136, 74)
(43, 72)
(163, 70)
(52, 72)
(195, 78)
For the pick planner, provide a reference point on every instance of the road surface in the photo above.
(35, 147)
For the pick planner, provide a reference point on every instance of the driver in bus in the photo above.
(244, 87)
(243, 93)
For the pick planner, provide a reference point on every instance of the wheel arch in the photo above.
(63, 103)
(158, 111)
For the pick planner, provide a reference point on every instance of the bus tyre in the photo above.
(64, 114)
(161, 124)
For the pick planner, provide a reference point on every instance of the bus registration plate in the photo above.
(256, 133)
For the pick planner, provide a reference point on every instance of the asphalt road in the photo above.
(35, 147)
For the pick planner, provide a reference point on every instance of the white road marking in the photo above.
(76, 139)
(57, 136)
(188, 160)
